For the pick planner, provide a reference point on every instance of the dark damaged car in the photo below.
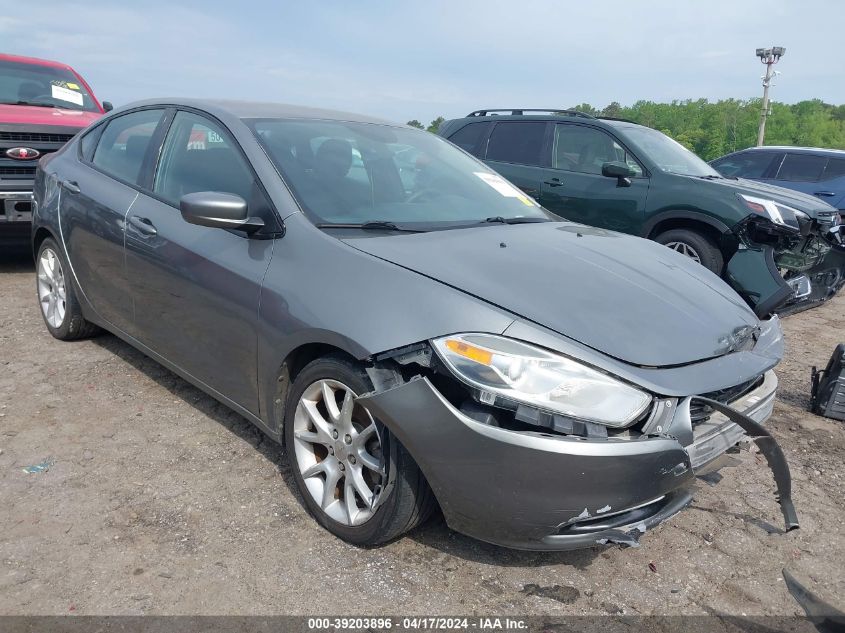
(416, 330)
(779, 249)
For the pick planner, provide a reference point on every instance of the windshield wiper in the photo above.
(498, 219)
(31, 103)
(372, 225)
(712, 177)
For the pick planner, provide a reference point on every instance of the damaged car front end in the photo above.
(532, 450)
(786, 260)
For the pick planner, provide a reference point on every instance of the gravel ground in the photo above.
(160, 500)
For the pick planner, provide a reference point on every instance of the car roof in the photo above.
(33, 61)
(261, 110)
(798, 150)
(546, 115)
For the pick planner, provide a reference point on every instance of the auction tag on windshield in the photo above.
(66, 95)
(504, 187)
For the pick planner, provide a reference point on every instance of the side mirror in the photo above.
(218, 210)
(107, 106)
(619, 170)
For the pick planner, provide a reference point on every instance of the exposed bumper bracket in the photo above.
(773, 453)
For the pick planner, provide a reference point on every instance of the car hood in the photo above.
(34, 115)
(626, 297)
(795, 199)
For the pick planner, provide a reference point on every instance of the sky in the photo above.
(400, 60)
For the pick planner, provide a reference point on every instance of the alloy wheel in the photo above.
(51, 288)
(338, 452)
(685, 249)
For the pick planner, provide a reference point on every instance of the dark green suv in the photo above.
(626, 177)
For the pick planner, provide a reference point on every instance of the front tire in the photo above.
(343, 460)
(60, 308)
(696, 246)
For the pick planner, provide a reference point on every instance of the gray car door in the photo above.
(197, 288)
(96, 193)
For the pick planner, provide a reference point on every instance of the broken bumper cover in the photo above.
(538, 490)
(824, 281)
(526, 490)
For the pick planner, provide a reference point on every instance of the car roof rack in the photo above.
(616, 118)
(520, 111)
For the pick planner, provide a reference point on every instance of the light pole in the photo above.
(770, 57)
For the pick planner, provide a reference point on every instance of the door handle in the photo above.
(826, 194)
(554, 182)
(143, 225)
(71, 185)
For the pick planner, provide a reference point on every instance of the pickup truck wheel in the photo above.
(342, 458)
(59, 305)
(696, 246)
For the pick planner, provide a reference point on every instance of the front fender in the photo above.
(753, 274)
(683, 214)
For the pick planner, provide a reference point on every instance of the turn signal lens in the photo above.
(470, 351)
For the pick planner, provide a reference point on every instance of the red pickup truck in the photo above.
(43, 104)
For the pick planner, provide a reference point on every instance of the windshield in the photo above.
(667, 154)
(353, 173)
(31, 84)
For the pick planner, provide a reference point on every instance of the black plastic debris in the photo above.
(828, 394)
(771, 451)
(825, 617)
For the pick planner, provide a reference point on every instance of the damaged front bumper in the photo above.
(545, 491)
(819, 283)
(785, 270)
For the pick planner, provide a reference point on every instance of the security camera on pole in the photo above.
(770, 57)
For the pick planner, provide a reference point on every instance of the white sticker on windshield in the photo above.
(66, 95)
(504, 187)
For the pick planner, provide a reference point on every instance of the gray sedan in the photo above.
(417, 331)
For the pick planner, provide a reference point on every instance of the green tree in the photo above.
(434, 125)
(415, 123)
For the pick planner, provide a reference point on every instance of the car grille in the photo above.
(28, 172)
(827, 219)
(35, 137)
(700, 412)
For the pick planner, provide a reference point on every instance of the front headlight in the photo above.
(540, 378)
(778, 213)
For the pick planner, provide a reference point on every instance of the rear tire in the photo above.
(319, 460)
(696, 246)
(60, 308)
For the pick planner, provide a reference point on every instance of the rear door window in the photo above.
(835, 169)
(469, 137)
(746, 164)
(518, 142)
(198, 155)
(123, 144)
(88, 143)
(801, 168)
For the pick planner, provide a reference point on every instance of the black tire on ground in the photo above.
(410, 501)
(73, 326)
(708, 252)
